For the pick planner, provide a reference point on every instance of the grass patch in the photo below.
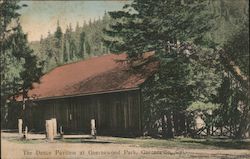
(20, 141)
(224, 143)
(185, 143)
(78, 140)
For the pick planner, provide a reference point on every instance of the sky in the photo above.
(40, 17)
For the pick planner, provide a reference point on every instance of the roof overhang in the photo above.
(86, 94)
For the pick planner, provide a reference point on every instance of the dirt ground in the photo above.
(12, 148)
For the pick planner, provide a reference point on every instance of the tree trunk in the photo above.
(182, 123)
(176, 123)
(208, 130)
(164, 126)
(170, 131)
(84, 50)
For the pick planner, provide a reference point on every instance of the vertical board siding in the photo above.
(115, 113)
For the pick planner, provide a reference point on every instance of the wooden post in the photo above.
(49, 130)
(221, 131)
(230, 130)
(20, 126)
(25, 136)
(46, 128)
(212, 129)
(93, 129)
(54, 126)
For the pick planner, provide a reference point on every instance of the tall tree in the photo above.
(31, 69)
(77, 30)
(8, 14)
(65, 52)
(82, 49)
(88, 48)
(234, 91)
(58, 43)
(164, 26)
(152, 25)
(20, 67)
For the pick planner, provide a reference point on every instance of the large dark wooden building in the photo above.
(104, 88)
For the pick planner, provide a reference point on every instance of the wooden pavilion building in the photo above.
(104, 88)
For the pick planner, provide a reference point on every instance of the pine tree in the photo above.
(8, 13)
(65, 54)
(159, 26)
(19, 66)
(90, 22)
(31, 68)
(77, 30)
(67, 37)
(140, 31)
(82, 45)
(88, 48)
(41, 39)
(58, 35)
(58, 43)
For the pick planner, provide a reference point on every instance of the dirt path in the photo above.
(17, 150)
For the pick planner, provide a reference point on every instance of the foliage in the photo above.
(151, 25)
(230, 15)
(233, 94)
(8, 15)
(237, 47)
(30, 68)
(201, 106)
(75, 44)
(173, 29)
(19, 66)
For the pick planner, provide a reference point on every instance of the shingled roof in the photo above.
(95, 75)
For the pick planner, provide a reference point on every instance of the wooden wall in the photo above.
(115, 113)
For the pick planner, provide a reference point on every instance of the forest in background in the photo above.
(203, 50)
(81, 42)
(73, 44)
